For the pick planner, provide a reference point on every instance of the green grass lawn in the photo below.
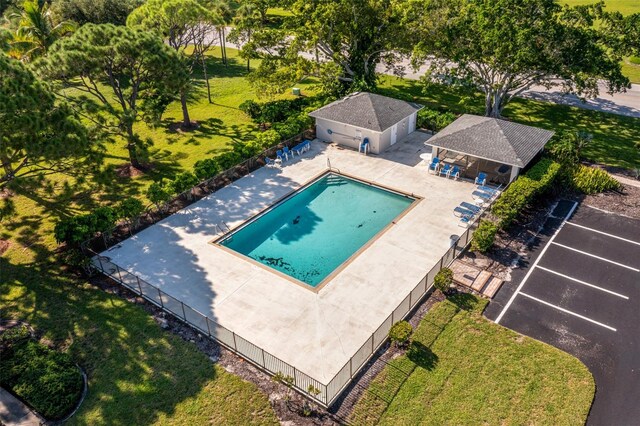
(464, 370)
(626, 7)
(614, 135)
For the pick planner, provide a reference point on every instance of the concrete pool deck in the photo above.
(316, 332)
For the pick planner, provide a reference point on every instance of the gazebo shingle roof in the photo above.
(367, 111)
(493, 139)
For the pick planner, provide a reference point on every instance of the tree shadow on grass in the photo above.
(422, 356)
(136, 370)
(464, 301)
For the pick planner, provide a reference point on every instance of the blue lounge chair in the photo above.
(287, 152)
(272, 163)
(490, 190)
(364, 146)
(281, 156)
(306, 144)
(435, 162)
(455, 172)
(472, 207)
(461, 211)
(446, 170)
(481, 196)
(466, 220)
(481, 179)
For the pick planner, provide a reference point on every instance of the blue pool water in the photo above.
(308, 235)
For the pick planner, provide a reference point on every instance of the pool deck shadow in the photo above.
(316, 332)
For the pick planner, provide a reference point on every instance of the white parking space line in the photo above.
(596, 257)
(604, 233)
(530, 271)
(582, 282)
(567, 311)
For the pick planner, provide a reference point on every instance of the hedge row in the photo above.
(46, 379)
(434, 120)
(521, 193)
(77, 229)
(590, 180)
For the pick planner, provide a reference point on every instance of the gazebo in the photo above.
(499, 148)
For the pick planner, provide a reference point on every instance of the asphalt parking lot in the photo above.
(580, 292)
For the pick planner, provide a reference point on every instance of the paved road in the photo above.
(579, 292)
(627, 103)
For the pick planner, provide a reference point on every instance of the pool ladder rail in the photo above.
(222, 228)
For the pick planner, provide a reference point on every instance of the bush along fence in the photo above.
(106, 226)
(322, 393)
(518, 195)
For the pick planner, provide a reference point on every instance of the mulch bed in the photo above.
(4, 246)
(626, 203)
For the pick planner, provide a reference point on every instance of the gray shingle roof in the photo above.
(493, 139)
(367, 111)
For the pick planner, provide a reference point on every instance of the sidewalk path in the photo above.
(14, 413)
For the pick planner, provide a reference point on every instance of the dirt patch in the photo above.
(128, 171)
(4, 246)
(178, 127)
(626, 202)
(6, 193)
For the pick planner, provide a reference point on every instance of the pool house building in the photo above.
(366, 121)
(498, 148)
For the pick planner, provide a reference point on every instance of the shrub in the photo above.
(158, 194)
(228, 159)
(400, 333)
(443, 280)
(205, 169)
(251, 108)
(268, 139)
(567, 147)
(129, 209)
(48, 380)
(523, 191)
(77, 229)
(434, 120)
(590, 180)
(484, 236)
(183, 182)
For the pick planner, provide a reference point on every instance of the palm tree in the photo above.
(247, 19)
(37, 30)
(222, 9)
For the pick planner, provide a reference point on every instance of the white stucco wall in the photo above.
(345, 134)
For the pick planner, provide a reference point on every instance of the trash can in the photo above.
(296, 91)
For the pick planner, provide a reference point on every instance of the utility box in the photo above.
(296, 91)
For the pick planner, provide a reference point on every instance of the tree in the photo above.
(341, 42)
(247, 20)
(504, 47)
(182, 23)
(38, 135)
(222, 9)
(37, 30)
(622, 32)
(124, 76)
(95, 11)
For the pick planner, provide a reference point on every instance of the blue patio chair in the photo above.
(281, 156)
(272, 163)
(481, 179)
(298, 149)
(287, 152)
(455, 172)
(364, 146)
(306, 144)
(446, 170)
(435, 163)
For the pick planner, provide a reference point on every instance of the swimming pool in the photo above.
(311, 233)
